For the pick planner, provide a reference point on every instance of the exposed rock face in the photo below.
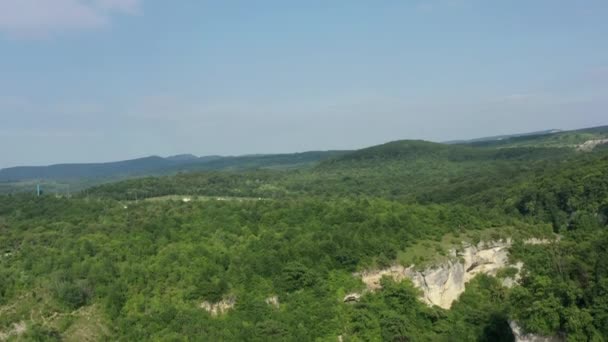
(589, 145)
(443, 284)
(520, 336)
(352, 297)
(372, 278)
(220, 307)
(273, 301)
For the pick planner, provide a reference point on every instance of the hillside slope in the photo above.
(569, 139)
(282, 255)
(84, 171)
(403, 170)
(63, 177)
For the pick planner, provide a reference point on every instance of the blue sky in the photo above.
(101, 80)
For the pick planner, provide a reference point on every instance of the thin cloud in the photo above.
(43, 18)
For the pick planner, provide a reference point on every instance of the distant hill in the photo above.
(155, 165)
(553, 138)
(187, 157)
(410, 160)
(266, 161)
(407, 169)
(401, 149)
(419, 154)
(93, 170)
(503, 137)
(525, 145)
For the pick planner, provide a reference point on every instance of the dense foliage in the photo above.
(117, 262)
(404, 170)
(63, 178)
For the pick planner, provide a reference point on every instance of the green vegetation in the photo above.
(132, 261)
(63, 178)
(410, 171)
(570, 139)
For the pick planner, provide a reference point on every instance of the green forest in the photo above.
(269, 254)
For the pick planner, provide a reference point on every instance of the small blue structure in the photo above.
(38, 190)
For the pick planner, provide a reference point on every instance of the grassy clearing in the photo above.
(86, 325)
(38, 312)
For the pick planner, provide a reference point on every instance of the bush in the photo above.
(73, 294)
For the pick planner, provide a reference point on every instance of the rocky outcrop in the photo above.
(220, 307)
(372, 278)
(589, 145)
(273, 301)
(352, 297)
(520, 336)
(444, 283)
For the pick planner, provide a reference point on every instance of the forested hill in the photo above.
(158, 165)
(504, 137)
(62, 178)
(406, 151)
(413, 171)
(57, 178)
(283, 254)
(279, 268)
(84, 171)
(571, 139)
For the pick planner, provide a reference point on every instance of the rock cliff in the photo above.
(443, 283)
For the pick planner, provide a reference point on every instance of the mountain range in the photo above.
(87, 174)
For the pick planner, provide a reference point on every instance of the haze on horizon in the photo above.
(102, 80)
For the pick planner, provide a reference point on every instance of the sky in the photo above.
(105, 80)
